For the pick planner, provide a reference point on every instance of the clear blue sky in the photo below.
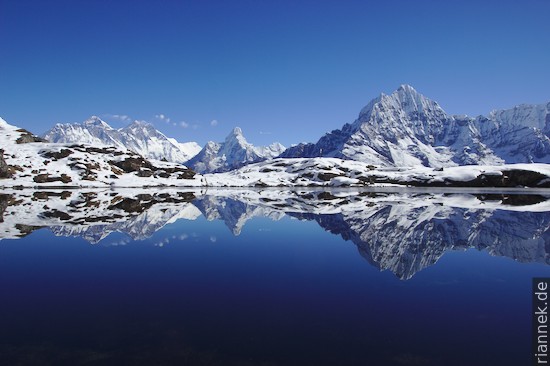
(284, 71)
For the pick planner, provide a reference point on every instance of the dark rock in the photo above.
(163, 175)
(25, 230)
(526, 178)
(56, 155)
(135, 164)
(145, 173)
(326, 176)
(4, 199)
(508, 179)
(326, 196)
(186, 174)
(27, 137)
(46, 178)
(131, 205)
(43, 195)
(4, 167)
(513, 199)
(63, 216)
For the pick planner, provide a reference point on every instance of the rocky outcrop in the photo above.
(4, 168)
(28, 137)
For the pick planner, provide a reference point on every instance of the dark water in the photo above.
(277, 279)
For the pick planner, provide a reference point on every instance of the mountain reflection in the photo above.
(402, 231)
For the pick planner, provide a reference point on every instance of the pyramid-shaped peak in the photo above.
(96, 121)
(405, 98)
(236, 134)
(406, 92)
(236, 137)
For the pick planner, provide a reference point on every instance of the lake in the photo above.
(270, 277)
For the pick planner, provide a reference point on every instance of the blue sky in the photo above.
(285, 71)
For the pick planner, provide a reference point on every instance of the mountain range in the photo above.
(139, 137)
(402, 129)
(406, 128)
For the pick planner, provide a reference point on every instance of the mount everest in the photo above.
(139, 137)
(144, 139)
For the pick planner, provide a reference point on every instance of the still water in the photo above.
(270, 277)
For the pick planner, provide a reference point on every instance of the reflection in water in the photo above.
(402, 231)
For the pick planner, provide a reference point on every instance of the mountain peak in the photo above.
(403, 96)
(406, 88)
(142, 127)
(96, 121)
(237, 131)
(236, 135)
(406, 93)
(233, 153)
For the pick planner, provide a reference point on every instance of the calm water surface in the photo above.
(252, 278)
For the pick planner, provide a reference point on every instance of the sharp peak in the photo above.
(236, 134)
(140, 124)
(94, 118)
(403, 92)
(236, 131)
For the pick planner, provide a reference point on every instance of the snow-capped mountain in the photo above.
(140, 137)
(518, 135)
(27, 160)
(233, 153)
(408, 129)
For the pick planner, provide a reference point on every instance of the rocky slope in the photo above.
(29, 161)
(333, 172)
